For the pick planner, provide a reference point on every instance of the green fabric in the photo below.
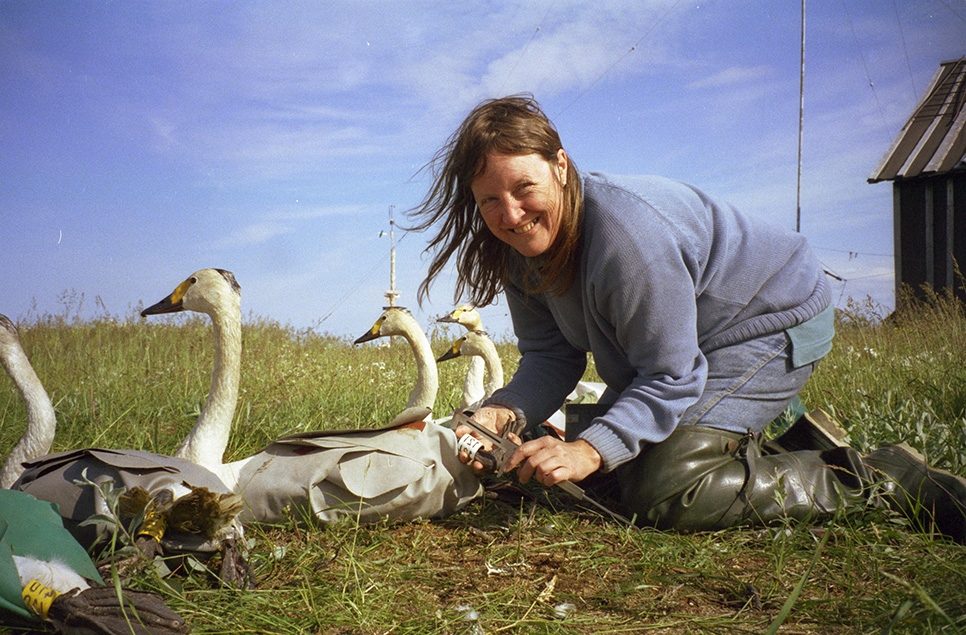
(29, 527)
(10, 598)
(812, 339)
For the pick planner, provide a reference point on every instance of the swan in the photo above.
(61, 564)
(405, 471)
(478, 345)
(216, 293)
(74, 480)
(399, 321)
(41, 420)
(467, 316)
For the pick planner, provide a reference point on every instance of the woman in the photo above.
(703, 322)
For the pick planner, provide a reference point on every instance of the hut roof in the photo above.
(933, 141)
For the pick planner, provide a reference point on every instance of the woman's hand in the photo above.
(548, 459)
(494, 418)
(551, 461)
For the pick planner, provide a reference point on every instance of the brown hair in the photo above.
(512, 125)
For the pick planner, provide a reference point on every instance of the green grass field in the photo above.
(539, 566)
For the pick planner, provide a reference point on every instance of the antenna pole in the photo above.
(392, 294)
(801, 117)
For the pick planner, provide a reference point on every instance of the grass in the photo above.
(537, 566)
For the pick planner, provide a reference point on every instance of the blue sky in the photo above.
(142, 141)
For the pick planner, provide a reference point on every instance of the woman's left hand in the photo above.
(551, 461)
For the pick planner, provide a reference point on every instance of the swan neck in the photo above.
(208, 439)
(427, 375)
(494, 371)
(38, 436)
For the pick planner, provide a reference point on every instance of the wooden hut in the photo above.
(927, 166)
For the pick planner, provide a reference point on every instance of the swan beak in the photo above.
(452, 352)
(371, 334)
(171, 304)
(450, 318)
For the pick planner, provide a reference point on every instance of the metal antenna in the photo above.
(801, 117)
(392, 294)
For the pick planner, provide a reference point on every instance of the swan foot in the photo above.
(235, 569)
(149, 546)
(99, 610)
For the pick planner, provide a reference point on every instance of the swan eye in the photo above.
(192, 279)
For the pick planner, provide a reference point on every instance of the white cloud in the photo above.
(254, 234)
(275, 93)
(731, 76)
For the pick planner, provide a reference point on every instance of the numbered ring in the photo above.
(469, 444)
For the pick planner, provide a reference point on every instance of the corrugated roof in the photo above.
(933, 141)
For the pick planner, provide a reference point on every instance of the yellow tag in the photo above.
(38, 598)
(153, 525)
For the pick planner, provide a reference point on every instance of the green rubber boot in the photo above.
(933, 498)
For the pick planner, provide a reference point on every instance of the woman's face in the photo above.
(520, 198)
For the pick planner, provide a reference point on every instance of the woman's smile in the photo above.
(525, 228)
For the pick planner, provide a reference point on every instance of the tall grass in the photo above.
(540, 565)
(901, 378)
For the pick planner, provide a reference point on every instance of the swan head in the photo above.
(9, 336)
(395, 320)
(205, 291)
(473, 343)
(453, 351)
(465, 315)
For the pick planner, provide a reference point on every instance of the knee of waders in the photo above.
(688, 481)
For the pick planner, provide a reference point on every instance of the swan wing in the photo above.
(55, 478)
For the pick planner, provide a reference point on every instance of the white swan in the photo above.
(404, 472)
(467, 316)
(48, 559)
(216, 293)
(399, 321)
(41, 420)
(479, 345)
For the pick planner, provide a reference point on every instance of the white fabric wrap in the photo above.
(400, 473)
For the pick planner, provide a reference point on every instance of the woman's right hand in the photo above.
(495, 418)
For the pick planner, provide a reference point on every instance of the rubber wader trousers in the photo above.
(702, 478)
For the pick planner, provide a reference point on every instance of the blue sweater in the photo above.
(666, 275)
